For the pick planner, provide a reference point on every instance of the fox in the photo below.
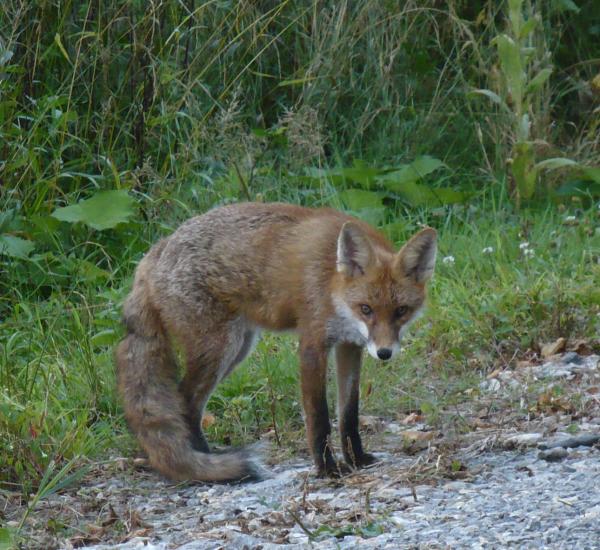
(212, 286)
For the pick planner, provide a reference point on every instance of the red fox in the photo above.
(222, 277)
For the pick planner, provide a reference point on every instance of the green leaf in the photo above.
(515, 16)
(554, 163)
(105, 210)
(579, 188)
(62, 49)
(564, 5)
(357, 199)
(410, 173)
(510, 61)
(106, 337)
(538, 81)
(6, 538)
(89, 271)
(592, 172)
(15, 246)
(528, 27)
(394, 230)
(423, 195)
(490, 95)
(523, 170)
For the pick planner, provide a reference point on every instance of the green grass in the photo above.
(485, 309)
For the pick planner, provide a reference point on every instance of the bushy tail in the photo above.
(154, 409)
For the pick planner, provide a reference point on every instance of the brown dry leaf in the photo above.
(553, 348)
(494, 373)
(79, 541)
(580, 346)
(549, 402)
(207, 420)
(480, 424)
(372, 423)
(135, 521)
(112, 517)
(412, 418)
(415, 435)
(141, 462)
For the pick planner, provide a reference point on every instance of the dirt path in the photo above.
(493, 486)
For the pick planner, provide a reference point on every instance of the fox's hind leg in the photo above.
(210, 359)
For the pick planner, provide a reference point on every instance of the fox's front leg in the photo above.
(348, 359)
(313, 373)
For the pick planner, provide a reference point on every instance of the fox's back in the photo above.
(261, 259)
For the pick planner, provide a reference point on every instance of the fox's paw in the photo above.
(334, 470)
(363, 460)
(366, 459)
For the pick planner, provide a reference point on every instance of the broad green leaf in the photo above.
(579, 188)
(509, 53)
(410, 173)
(524, 127)
(15, 246)
(490, 95)
(104, 210)
(515, 15)
(523, 170)
(6, 539)
(528, 27)
(538, 81)
(360, 173)
(373, 216)
(592, 172)
(357, 199)
(554, 163)
(423, 195)
(106, 337)
(90, 272)
(564, 5)
(395, 230)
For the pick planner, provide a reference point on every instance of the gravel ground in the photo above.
(516, 479)
(517, 500)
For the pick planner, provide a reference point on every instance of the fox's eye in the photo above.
(400, 311)
(365, 309)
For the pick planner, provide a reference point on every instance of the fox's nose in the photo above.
(384, 353)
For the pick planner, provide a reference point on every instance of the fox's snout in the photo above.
(384, 353)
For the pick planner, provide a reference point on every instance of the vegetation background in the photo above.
(119, 119)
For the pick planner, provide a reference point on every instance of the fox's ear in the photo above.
(354, 251)
(416, 258)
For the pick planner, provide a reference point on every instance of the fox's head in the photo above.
(378, 293)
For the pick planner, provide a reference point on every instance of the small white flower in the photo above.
(570, 218)
(488, 250)
(524, 246)
(448, 260)
(528, 253)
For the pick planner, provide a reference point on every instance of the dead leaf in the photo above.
(207, 420)
(553, 348)
(494, 373)
(372, 423)
(141, 462)
(415, 435)
(412, 418)
(550, 402)
(580, 346)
